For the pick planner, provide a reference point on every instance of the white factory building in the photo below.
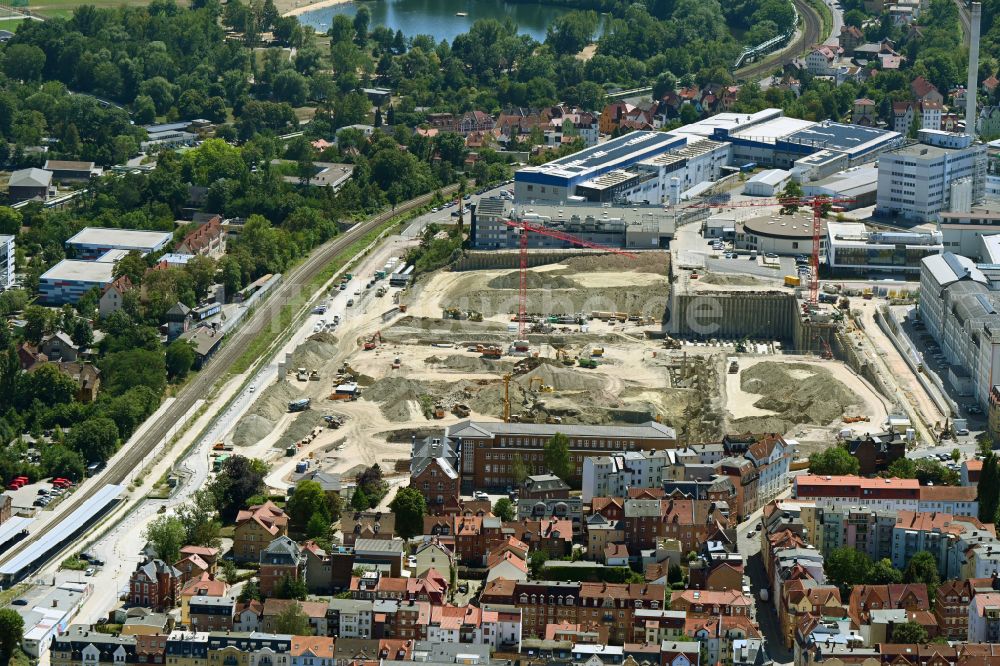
(945, 171)
(767, 183)
(960, 307)
(962, 232)
(852, 247)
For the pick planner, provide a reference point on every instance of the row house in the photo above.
(205, 585)
(951, 609)
(550, 535)
(80, 644)
(709, 602)
(867, 598)
(209, 613)
(644, 521)
(316, 611)
(547, 602)
(833, 491)
(802, 598)
(432, 587)
(327, 572)
(475, 536)
(659, 625)
(719, 635)
(350, 618)
(255, 528)
(207, 238)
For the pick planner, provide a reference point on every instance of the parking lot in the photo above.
(35, 497)
(448, 213)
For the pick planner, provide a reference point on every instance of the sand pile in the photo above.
(315, 351)
(646, 262)
(469, 363)
(734, 280)
(270, 406)
(545, 280)
(563, 378)
(797, 393)
(397, 396)
(300, 426)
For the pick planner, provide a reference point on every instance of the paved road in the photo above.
(810, 34)
(838, 21)
(295, 281)
(965, 17)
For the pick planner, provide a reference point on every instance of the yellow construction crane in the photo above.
(506, 398)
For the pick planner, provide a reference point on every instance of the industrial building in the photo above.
(858, 183)
(851, 247)
(960, 307)
(558, 180)
(70, 279)
(786, 235)
(963, 231)
(638, 227)
(945, 171)
(767, 183)
(92, 242)
(7, 264)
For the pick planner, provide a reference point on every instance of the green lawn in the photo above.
(64, 8)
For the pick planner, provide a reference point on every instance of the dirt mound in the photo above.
(733, 280)
(646, 262)
(315, 351)
(546, 280)
(469, 363)
(269, 408)
(399, 397)
(563, 378)
(251, 429)
(797, 393)
(300, 426)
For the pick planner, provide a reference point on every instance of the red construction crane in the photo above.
(816, 203)
(523, 229)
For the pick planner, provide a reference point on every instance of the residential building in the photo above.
(380, 552)
(489, 448)
(544, 487)
(255, 528)
(925, 91)
(866, 599)
(434, 472)
(945, 171)
(876, 452)
(80, 644)
(984, 618)
(708, 602)
(313, 651)
(954, 500)
(26, 184)
(113, 297)
(207, 239)
(858, 528)
(249, 649)
(280, 560)
(350, 618)
(367, 525)
(834, 491)
(154, 584)
(316, 611)
(951, 609)
(211, 613)
(988, 124)
(91, 243)
(927, 115)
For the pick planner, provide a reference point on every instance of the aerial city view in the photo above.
(499, 332)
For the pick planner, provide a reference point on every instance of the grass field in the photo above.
(64, 8)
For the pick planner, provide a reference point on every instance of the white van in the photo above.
(753, 255)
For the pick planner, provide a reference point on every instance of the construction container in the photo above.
(792, 281)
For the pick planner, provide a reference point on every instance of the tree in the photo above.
(37, 323)
(557, 457)
(82, 334)
(200, 519)
(359, 501)
(792, 191)
(409, 507)
(956, 455)
(883, 573)
(307, 501)
(250, 592)
(504, 509)
(909, 633)
(95, 439)
(293, 620)
(10, 221)
(846, 567)
(835, 461)
(372, 481)
(290, 588)
(923, 568)
(11, 633)
(166, 534)
(134, 367)
(518, 470)
(24, 62)
(536, 562)
(318, 527)
(290, 86)
(240, 479)
(179, 358)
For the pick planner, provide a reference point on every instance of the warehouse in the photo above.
(854, 248)
(859, 184)
(70, 279)
(767, 183)
(557, 180)
(786, 235)
(92, 242)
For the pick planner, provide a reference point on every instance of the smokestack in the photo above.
(973, 83)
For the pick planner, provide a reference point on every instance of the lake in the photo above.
(438, 17)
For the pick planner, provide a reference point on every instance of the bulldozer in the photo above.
(542, 386)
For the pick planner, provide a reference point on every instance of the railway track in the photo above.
(810, 34)
(294, 282)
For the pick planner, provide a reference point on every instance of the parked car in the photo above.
(90, 571)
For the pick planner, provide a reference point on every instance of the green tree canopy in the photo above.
(834, 461)
(923, 568)
(166, 534)
(909, 633)
(504, 509)
(293, 620)
(557, 458)
(409, 507)
(307, 501)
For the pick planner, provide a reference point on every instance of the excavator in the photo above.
(372, 344)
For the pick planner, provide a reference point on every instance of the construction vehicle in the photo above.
(491, 352)
(333, 421)
(734, 365)
(563, 357)
(395, 363)
(542, 386)
(588, 363)
(380, 292)
(438, 411)
(402, 307)
(460, 410)
(827, 352)
(299, 405)
(302, 374)
(314, 375)
(856, 419)
(597, 351)
(867, 294)
(371, 344)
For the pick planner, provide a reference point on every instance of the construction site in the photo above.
(591, 338)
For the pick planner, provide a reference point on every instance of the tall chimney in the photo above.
(972, 86)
